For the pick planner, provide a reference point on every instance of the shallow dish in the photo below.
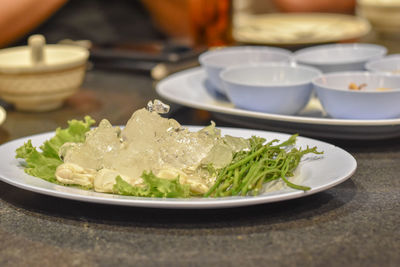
(334, 167)
(389, 64)
(214, 61)
(339, 57)
(273, 88)
(378, 98)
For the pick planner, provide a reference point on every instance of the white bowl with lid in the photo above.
(39, 77)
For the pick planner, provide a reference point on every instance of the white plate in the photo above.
(334, 167)
(191, 88)
(298, 29)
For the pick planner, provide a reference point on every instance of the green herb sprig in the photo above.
(262, 163)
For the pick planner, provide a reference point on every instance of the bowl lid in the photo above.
(38, 56)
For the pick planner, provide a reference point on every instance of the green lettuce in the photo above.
(153, 187)
(43, 164)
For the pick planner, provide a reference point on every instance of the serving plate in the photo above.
(191, 88)
(318, 172)
(298, 28)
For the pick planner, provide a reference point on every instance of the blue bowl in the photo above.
(389, 64)
(339, 57)
(214, 61)
(379, 99)
(271, 88)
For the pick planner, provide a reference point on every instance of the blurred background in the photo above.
(107, 23)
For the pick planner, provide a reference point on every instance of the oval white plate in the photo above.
(191, 88)
(332, 168)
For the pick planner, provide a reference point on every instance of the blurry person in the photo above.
(17, 17)
(103, 22)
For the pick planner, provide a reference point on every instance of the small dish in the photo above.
(339, 57)
(39, 77)
(214, 61)
(378, 97)
(272, 88)
(388, 64)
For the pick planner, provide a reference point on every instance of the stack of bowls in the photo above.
(214, 61)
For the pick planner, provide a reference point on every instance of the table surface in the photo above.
(353, 224)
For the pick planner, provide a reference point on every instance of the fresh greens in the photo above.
(250, 169)
(44, 164)
(153, 187)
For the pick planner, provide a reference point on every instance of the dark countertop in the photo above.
(353, 224)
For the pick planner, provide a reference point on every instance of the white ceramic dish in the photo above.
(272, 88)
(389, 64)
(334, 167)
(339, 57)
(191, 88)
(298, 28)
(370, 102)
(39, 77)
(214, 61)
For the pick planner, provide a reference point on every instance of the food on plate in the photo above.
(154, 156)
(353, 86)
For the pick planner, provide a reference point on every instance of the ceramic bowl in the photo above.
(39, 77)
(339, 57)
(272, 88)
(378, 98)
(214, 61)
(388, 64)
(382, 14)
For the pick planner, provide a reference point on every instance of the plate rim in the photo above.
(165, 203)
(161, 89)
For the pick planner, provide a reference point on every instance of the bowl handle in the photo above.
(36, 43)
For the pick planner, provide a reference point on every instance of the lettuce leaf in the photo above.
(43, 164)
(154, 187)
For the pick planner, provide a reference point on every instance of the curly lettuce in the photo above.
(43, 163)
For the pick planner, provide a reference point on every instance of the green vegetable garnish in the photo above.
(247, 173)
(249, 170)
(44, 164)
(154, 187)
